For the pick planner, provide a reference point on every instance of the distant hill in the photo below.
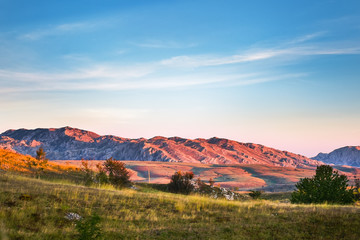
(74, 144)
(349, 155)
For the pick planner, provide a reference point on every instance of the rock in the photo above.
(72, 216)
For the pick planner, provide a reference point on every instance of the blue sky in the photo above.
(280, 73)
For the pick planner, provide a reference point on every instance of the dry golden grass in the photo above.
(35, 209)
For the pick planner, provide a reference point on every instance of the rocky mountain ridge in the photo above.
(74, 144)
(349, 155)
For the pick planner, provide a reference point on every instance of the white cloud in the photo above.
(148, 82)
(201, 61)
(60, 29)
(307, 37)
(115, 113)
(175, 72)
(92, 72)
(163, 44)
(255, 55)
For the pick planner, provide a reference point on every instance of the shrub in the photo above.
(326, 186)
(101, 177)
(119, 176)
(211, 182)
(88, 228)
(41, 162)
(255, 194)
(181, 182)
(88, 173)
(41, 155)
(357, 189)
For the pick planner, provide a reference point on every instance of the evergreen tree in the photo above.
(326, 186)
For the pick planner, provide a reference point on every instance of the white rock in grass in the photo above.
(72, 216)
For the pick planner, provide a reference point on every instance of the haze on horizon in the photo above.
(284, 74)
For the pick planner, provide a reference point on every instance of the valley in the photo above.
(242, 177)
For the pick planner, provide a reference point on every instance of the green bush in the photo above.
(255, 194)
(88, 173)
(88, 228)
(101, 176)
(357, 189)
(118, 175)
(326, 186)
(181, 182)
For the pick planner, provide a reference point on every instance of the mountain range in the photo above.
(349, 155)
(74, 144)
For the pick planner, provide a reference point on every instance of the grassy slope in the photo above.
(25, 165)
(149, 214)
(35, 209)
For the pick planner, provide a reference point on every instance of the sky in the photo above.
(285, 74)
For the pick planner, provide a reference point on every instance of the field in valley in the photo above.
(240, 176)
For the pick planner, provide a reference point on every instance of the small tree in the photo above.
(211, 182)
(357, 189)
(326, 186)
(41, 161)
(181, 182)
(41, 154)
(254, 194)
(101, 177)
(88, 173)
(119, 176)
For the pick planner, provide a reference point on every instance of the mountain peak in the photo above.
(348, 155)
(80, 135)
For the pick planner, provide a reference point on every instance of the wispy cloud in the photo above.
(60, 29)
(163, 44)
(307, 37)
(262, 54)
(147, 82)
(175, 72)
(76, 57)
(102, 72)
(115, 113)
(207, 60)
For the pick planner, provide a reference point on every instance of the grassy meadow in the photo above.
(34, 204)
(35, 209)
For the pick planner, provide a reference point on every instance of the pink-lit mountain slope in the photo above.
(72, 144)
